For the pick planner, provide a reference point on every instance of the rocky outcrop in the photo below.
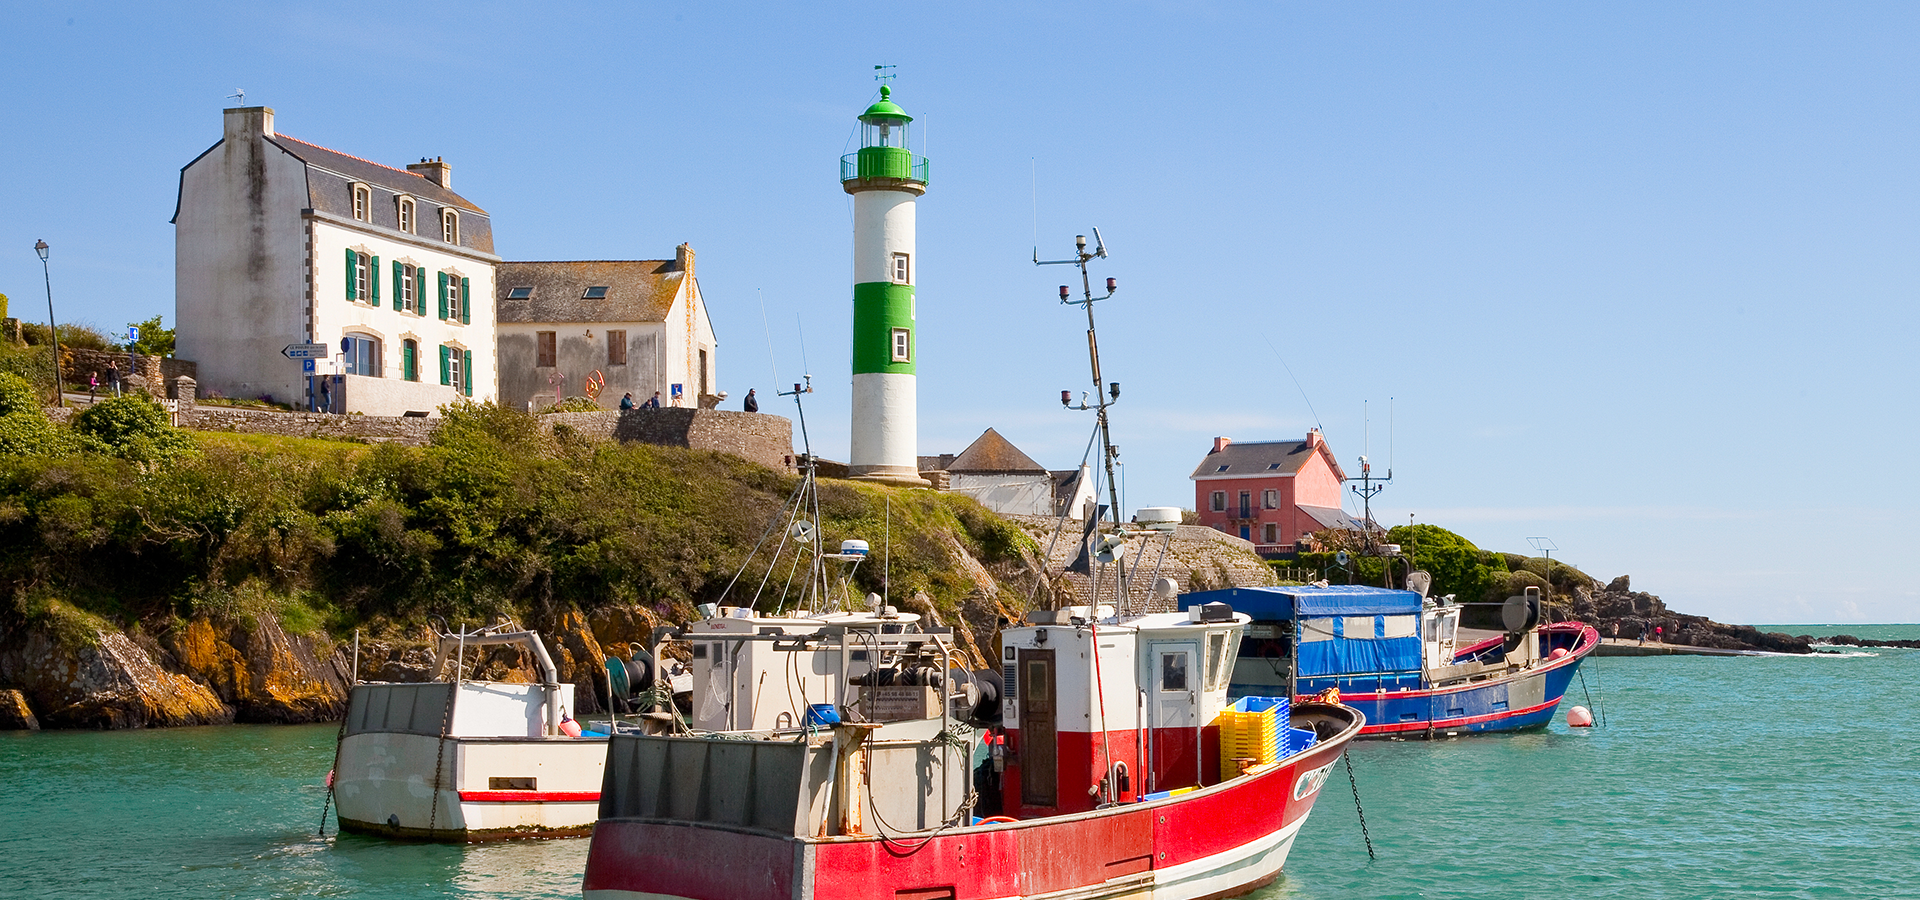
(263, 673)
(104, 680)
(15, 715)
(1619, 611)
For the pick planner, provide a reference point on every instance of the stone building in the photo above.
(640, 326)
(278, 241)
(1008, 481)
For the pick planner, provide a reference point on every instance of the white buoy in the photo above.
(1579, 717)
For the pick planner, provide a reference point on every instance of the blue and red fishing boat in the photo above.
(1395, 655)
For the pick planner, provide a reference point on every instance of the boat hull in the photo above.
(1219, 841)
(1516, 702)
(383, 786)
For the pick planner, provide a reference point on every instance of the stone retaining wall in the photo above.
(158, 371)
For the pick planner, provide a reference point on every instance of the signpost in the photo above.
(304, 351)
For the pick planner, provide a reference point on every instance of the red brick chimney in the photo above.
(1313, 438)
(1220, 443)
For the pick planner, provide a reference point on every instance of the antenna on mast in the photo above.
(239, 94)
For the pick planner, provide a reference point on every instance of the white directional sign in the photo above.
(305, 351)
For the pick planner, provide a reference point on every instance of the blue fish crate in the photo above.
(1299, 739)
(822, 714)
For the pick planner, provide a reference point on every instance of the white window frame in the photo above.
(407, 213)
(362, 277)
(453, 297)
(409, 287)
(376, 356)
(903, 345)
(902, 269)
(362, 202)
(450, 225)
(454, 357)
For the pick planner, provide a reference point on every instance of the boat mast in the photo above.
(1108, 452)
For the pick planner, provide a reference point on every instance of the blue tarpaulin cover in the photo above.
(1344, 654)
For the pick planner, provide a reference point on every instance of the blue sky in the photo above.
(1635, 277)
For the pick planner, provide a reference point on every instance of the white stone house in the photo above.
(278, 241)
(636, 326)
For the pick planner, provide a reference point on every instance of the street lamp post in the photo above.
(53, 328)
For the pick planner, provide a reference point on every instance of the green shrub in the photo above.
(133, 427)
(24, 429)
(572, 404)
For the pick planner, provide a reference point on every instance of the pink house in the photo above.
(1271, 492)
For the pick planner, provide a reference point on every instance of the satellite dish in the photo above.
(1520, 614)
(1420, 581)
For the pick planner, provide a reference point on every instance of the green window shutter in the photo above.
(350, 259)
(443, 299)
(466, 303)
(466, 373)
(399, 278)
(373, 279)
(443, 364)
(407, 371)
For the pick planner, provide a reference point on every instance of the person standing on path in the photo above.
(1659, 634)
(113, 378)
(751, 404)
(1643, 634)
(93, 385)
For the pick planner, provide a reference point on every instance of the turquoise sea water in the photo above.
(1713, 777)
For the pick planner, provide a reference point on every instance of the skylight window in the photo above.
(1222, 468)
(597, 292)
(1272, 466)
(519, 293)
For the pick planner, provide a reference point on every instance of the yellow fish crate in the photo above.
(1250, 729)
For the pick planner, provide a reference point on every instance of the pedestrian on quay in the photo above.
(752, 404)
(626, 401)
(1659, 634)
(1643, 634)
(93, 385)
(113, 378)
(653, 402)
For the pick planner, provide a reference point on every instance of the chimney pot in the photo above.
(433, 170)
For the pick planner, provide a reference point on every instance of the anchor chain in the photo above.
(1356, 804)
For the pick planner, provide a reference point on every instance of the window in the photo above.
(406, 287)
(902, 272)
(903, 345)
(545, 349)
(456, 298)
(1270, 533)
(1173, 671)
(1270, 499)
(597, 292)
(704, 387)
(616, 348)
(1217, 666)
(410, 360)
(362, 355)
(362, 203)
(1218, 503)
(450, 226)
(1246, 505)
(1223, 467)
(1272, 466)
(407, 215)
(520, 293)
(361, 289)
(456, 368)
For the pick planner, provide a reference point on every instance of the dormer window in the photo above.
(597, 292)
(408, 220)
(450, 226)
(363, 203)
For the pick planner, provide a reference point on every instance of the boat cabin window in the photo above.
(1173, 671)
(1217, 661)
(1316, 630)
(1357, 627)
(1402, 626)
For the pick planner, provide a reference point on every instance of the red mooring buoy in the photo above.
(1579, 717)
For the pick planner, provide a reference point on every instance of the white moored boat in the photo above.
(460, 760)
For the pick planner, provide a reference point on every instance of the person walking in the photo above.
(1659, 634)
(626, 401)
(93, 385)
(113, 378)
(1643, 634)
(751, 404)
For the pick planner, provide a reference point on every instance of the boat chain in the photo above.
(1356, 804)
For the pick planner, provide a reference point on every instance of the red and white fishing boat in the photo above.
(1101, 759)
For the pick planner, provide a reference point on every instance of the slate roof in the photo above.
(1329, 517)
(991, 454)
(1256, 458)
(638, 290)
(370, 172)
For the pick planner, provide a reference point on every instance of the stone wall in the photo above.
(1198, 558)
(158, 371)
(376, 429)
(762, 438)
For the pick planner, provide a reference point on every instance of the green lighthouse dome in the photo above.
(885, 159)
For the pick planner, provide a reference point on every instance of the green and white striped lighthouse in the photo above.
(885, 179)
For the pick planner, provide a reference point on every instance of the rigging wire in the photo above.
(1296, 382)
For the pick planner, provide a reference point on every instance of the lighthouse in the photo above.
(885, 179)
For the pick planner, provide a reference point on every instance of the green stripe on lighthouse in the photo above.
(878, 308)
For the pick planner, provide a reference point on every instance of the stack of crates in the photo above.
(1251, 729)
(1299, 739)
